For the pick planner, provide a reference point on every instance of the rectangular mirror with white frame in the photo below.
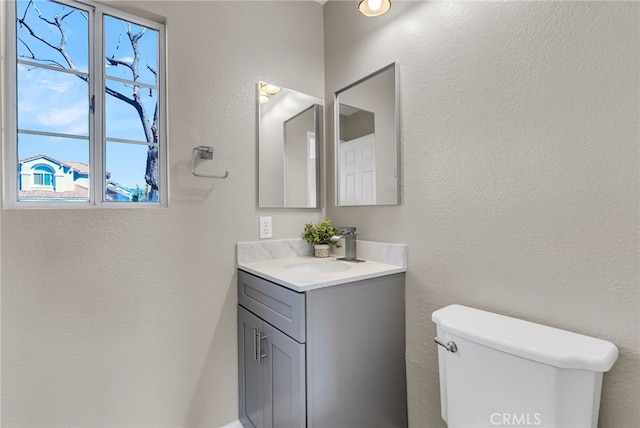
(367, 140)
(288, 148)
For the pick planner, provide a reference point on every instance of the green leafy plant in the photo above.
(321, 233)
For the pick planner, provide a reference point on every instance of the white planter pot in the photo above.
(321, 250)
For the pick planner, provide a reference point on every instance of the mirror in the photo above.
(288, 148)
(367, 140)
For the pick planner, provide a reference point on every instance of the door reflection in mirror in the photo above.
(357, 157)
(300, 155)
(288, 148)
(367, 140)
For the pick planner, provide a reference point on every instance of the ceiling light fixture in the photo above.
(264, 98)
(268, 89)
(374, 7)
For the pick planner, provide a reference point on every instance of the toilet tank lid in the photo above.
(547, 345)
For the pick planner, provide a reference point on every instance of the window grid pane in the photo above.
(53, 168)
(126, 173)
(52, 96)
(51, 101)
(131, 64)
(33, 31)
(131, 51)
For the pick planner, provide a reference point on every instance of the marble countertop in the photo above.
(269, 260)
(276, 271)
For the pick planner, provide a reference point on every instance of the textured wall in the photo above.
(128, 317)
(520, 184)
(520, 195)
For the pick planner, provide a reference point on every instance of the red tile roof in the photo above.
(82, 168)
(79, 192)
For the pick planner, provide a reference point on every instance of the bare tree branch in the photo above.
(33, 57)
(61, 49)
(117, 62)
(37, 37)
(155, 126)
(70, 12)
(26, 9)
(119, 96)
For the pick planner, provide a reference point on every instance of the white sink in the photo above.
(319, 267)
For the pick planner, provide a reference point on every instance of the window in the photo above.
(42, 176)
(89, 124)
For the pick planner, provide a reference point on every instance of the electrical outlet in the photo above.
(266, 230)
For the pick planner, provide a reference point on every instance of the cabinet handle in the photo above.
(255, 344)
(260, 355)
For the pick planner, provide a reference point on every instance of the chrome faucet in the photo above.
(349, 234)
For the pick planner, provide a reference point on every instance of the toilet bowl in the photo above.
(501, 371)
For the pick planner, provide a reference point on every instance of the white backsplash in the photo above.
(259, 251)
(379, 252)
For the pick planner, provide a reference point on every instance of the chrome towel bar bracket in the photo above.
(204, 152)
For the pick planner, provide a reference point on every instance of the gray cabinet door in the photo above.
(251, 383)
(284, 366)
(356, 371)
(271, 371)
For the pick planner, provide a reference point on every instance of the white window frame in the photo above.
(97, 131)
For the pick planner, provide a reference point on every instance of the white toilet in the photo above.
(501, 371)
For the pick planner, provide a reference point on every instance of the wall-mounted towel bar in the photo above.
(204, 152)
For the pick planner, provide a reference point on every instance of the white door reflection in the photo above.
(358, 171)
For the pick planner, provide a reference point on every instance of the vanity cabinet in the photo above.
(324, 358)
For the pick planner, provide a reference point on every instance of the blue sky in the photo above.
(58, 102)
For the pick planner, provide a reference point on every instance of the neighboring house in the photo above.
(43, 177)
(116, 192)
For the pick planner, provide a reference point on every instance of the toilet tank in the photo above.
(510, 372)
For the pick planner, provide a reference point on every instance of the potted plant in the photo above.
(320, 236)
